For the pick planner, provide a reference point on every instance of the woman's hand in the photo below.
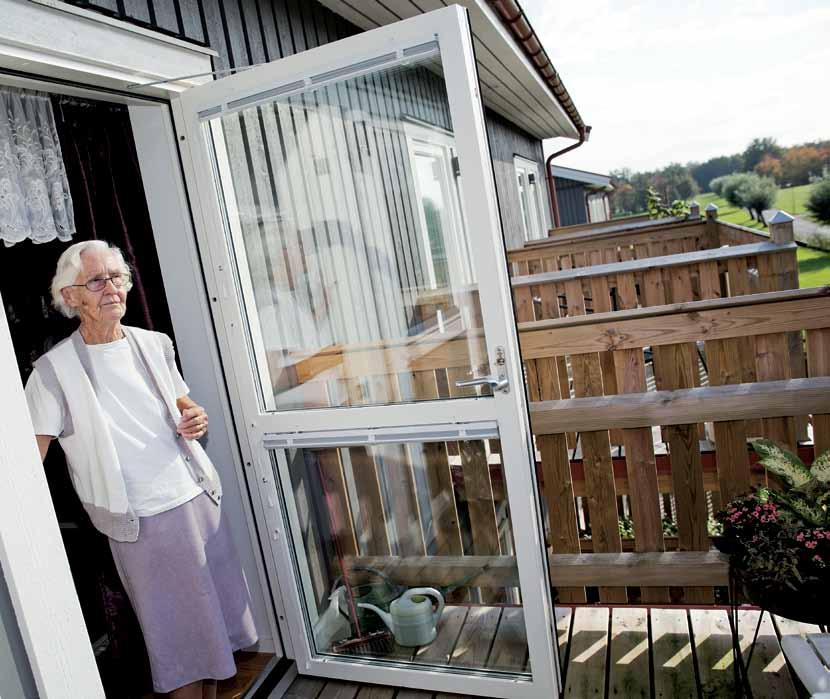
(194, 422)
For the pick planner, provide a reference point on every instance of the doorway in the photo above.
(104, 172)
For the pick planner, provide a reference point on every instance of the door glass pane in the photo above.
(351, 258)
(420, 530)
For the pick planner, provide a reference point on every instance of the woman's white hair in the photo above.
(69, 267)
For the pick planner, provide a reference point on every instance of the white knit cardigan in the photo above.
(86, 439)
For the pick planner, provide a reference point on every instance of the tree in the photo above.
(629, 191)
(704, 173)
(757, 149)
(757, 194)
(732, 184)
(717, 184)
(800, 162)
(770, 166)
(624, 198)
(674, 182)
(818, 203)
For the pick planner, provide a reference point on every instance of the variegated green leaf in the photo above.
(782, 463)
(809, 512)
(820, 470)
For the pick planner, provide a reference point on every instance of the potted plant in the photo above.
(778, 538)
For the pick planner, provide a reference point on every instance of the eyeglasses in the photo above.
(119, 280)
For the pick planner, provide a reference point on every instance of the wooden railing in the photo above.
(713, 347)
(597, 247)
(739, 335)
(582, 246)
(598, 225)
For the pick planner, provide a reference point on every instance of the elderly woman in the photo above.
(113, 397)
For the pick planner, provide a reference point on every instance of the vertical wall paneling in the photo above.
(506, 141)
(570, 196)
(137, 10)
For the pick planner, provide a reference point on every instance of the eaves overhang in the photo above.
(511, 83)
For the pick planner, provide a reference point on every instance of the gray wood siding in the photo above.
(251, 31)
(333, 166)
(506, 141)
(570, 197)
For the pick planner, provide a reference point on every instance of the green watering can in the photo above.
(379, 593)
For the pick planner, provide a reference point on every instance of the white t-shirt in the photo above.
(155, 473)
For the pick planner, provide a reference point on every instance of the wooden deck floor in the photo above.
(475, 637)
(628, 652)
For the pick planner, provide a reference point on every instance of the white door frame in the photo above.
(68, 50)
(191, 109)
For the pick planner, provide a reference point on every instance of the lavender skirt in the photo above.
(189, 593)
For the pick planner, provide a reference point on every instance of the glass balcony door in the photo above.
(346, 210)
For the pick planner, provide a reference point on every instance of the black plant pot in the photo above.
(726, 545)
(809, 603)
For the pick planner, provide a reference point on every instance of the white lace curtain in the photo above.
(35, 201)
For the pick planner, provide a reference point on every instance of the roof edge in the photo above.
(513, 17)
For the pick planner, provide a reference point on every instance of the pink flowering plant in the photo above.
(779, 537)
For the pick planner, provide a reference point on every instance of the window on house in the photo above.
(530, 188)
(444, 237)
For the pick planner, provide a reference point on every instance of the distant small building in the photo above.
(581, 196)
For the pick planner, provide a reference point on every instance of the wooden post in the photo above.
(694, 211)
(781, 228)
(712, 234)
(781, 231)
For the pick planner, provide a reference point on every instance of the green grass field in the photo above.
(813, 268)
(792, 200)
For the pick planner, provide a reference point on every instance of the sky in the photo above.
(676, 80)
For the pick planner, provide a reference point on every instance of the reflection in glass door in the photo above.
(344, 245)
(386, 511)
(379, 379)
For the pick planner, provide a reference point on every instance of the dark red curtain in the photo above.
(108, 197)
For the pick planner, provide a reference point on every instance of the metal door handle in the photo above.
(493, 382)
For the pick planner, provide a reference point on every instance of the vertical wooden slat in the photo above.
(740, 283)
(730, 436)
(772, 356)
(723, 365)
(557, 486)
(596, 453)
(771, 364)
(601, 296)
(374, 538)
(675, 367)
(641, 465)
(403, 501)
(681, 290)
(818, 361)
(445, 523)
(337, 500)
(478, 488)
(778, 272)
